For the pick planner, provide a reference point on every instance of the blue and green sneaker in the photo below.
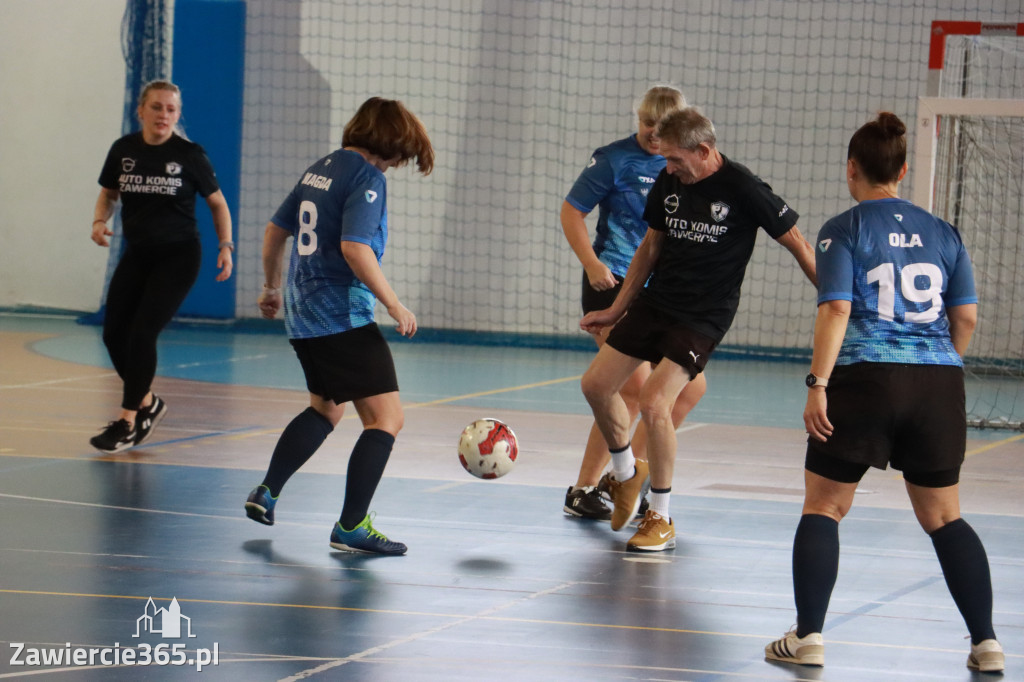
(364, 538)
(260, 505)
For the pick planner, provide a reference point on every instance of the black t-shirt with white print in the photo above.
(711, 227)
(158, 186)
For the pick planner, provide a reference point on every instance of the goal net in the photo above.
(971, 136)
(517, 94)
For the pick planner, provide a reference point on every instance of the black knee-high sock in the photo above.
(299, 440)
(965, 567)
(815, 567)
(365, 469)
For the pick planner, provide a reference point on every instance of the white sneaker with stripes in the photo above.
(807, 650)
(987, 657)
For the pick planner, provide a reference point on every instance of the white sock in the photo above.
(623, 463)
(659, 503)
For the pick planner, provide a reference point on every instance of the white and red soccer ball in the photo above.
(488, 448)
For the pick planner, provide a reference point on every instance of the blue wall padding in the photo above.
(208, 66)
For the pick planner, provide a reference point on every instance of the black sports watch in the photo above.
(813, 380)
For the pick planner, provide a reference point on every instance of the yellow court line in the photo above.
(394, 612)
(505, 619)
(431, 403)
(993, 446)
(496, 391)
(353, 415)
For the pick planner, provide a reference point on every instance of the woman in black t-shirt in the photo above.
(156, 174)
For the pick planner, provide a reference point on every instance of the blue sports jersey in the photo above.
(617, 180)
(340, 198)
(900, 267)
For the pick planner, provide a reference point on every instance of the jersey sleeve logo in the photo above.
(593, 162)
(371, 196)
(824, 244)
(127, 165)
(173, 168)
(719, 211)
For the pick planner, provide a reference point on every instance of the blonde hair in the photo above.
(158, 84)
(162, 84)
(386, 128)
(660, 101)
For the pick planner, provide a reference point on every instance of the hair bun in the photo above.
(891, 124)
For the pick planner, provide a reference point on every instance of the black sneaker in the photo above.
(602, 489)
(147, 419)
(116, 437)
(586, 504)
(644, 506)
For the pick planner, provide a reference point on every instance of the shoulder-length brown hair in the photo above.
(386, 128)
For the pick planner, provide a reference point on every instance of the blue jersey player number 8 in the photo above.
(341, 198)
(307, 228)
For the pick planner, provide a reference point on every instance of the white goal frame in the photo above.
(934, 112)
(929, 110)
(931, 107)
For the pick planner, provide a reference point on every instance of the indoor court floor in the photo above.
(498, 584)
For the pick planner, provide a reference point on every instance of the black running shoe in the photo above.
(586, 503)
(118, 436)
(147, 419)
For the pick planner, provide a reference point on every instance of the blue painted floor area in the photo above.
(740, 391)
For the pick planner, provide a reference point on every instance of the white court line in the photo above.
(52, 382)
(447, 486)
(96, 505)
(243, 358)
(185, 365)
(420, 635)
(259, 658)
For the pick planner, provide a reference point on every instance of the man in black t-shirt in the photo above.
(703, 214)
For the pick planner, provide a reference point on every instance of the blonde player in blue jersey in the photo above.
(337, 214)
(616, 181)
(896, 310)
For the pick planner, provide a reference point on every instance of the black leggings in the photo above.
(145, 292)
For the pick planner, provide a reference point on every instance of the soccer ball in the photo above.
(488, 448)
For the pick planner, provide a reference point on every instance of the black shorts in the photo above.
(910, 417)
(347, 366)
(650, 334)
(592, 299)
